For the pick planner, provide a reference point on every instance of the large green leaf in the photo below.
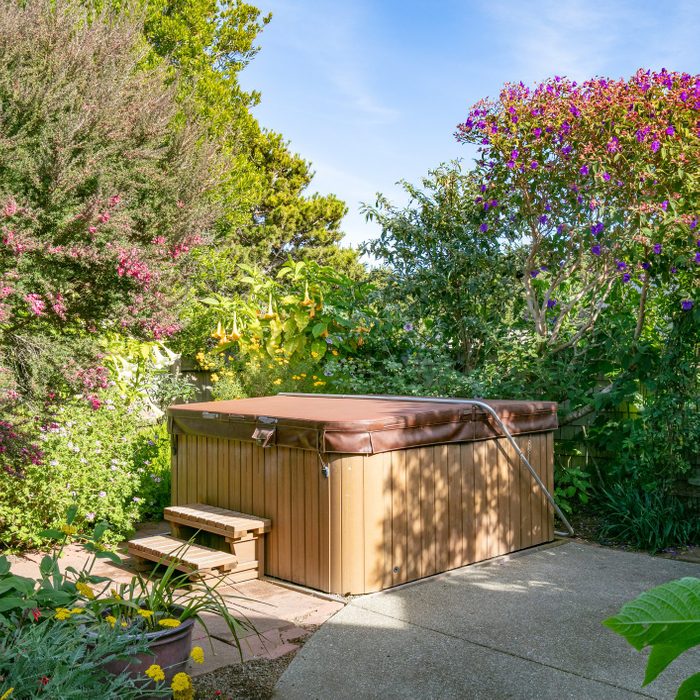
(666, 618)
(690, 688)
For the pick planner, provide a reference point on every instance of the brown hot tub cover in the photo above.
(356, 425)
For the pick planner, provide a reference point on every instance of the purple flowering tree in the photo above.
(598, 181)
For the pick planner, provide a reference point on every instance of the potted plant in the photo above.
(153, 616)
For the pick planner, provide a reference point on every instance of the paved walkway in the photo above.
(281, 616)
(527, 627)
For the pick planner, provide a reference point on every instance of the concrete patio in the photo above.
(524, 626)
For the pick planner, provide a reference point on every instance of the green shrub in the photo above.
(104, 461)
(647, 520)
(572, 487)
(56, 660)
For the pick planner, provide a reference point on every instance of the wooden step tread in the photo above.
(217, 520)
(190, 557)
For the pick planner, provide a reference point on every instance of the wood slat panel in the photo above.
(504, 527)
(387, 525)
(537, 497)
(234, 485)
(481, 514)
(525, 491)
(284, 515)
(455, 534)
(247, 476)
(336, 524)
(212, 470)
(312, 476)
(427, 511)
(493, 497)
(174, 467)
(191, 481)
(373, 522)
(223, 469)
(201, 486)
(512, 464)
(258, 476)
(399, 518)
(324, 532)
(272, 540)
(469, 523)
(413, 533)
(353, 564)
(297, 514)
(442, 512)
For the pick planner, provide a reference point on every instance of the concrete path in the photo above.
(521, 627)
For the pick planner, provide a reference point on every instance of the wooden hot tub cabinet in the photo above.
(358, 522)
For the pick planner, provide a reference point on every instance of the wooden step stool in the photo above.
(245, 534)
(191, 558)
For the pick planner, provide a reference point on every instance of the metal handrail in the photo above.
(466, 402)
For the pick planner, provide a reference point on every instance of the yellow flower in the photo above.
(148, 614)
(7, 694)
(69, 529)
(314, 354)
(62, 613)
(74, 611)
(182, 687)
(277, 382)
(319, 383)
(334, 352)
(197, 655)
(155, 672)
(115, 594)
(85, 590)
(169, 622)
(302, 375)
(111, 619)
(215, 377)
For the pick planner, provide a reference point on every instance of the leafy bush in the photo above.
(572, 487)
(104, 461)
(647, 520)
(667, 619)
(57, 660)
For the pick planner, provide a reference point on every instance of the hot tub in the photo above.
(368, 493)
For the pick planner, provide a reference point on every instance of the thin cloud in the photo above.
(333, 42)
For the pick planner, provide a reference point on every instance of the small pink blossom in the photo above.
(104, 217)
(10, 208)
(114, 200)
(180, 204)
(5, 291)
(92, 229)
(36, 304)
(130, 266)
(58, 306)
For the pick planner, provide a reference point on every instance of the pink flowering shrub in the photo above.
(105, 185)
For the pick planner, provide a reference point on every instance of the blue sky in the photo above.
(371, 92)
